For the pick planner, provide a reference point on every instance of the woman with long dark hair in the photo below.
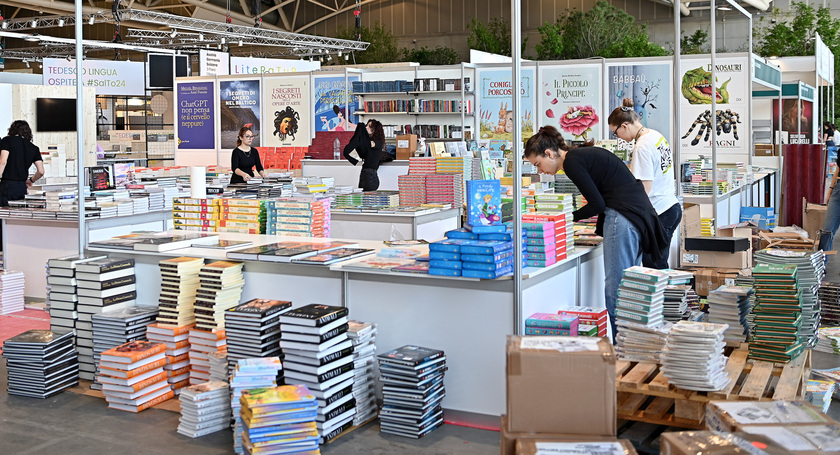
(17, 154)
(245, 158)
(368, 141)
(626, 219)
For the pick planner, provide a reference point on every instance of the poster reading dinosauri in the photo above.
(570, 100)
(496, 104)
(239, 106)
(196, 128)
(649, 86)
(330, 107)
(730, 90)
(288, 106)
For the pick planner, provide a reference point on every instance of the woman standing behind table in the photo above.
(368, 141)
(244, 158)
(626, 219)
(828, 134)
(17, 153)
(653, 163)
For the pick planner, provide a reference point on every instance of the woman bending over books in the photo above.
(368, 142)
(245, 158)
(626, 219)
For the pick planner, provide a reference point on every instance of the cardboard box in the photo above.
(709, 279)
(690, 221)
(732, 416)
(710, 443)
(551, 379)
(509, 439)
(813, 216)
(406, 146)
(800, 439)
(763, 150)
(570, 445)
(697, 258)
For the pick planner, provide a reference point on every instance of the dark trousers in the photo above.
(11, 190)
(369, 180)
(670, 219)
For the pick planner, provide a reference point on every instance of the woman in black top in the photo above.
(368, 141)
(17, 153)
(244, 158)
(626, 218)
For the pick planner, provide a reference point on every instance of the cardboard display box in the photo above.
(509, 438)
(813, 216)
(710, 443)
(734, 416)
(763, 150)
(697, 258)
(801, 439)
(406, 146)
(551, 379)
(690, 221)
(709, 279)
(572, 446)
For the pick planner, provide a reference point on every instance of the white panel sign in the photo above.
(107, 77)
(246, 65)
(212, 63)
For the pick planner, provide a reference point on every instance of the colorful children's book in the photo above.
(484, 203)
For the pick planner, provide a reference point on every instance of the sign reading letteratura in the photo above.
(108, 77)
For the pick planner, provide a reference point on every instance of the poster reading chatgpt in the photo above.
(570, 100)
(730, 122)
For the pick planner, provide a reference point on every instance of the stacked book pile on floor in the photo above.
(693, 357)
(203, 344)
(778, 314)
(219, 369)
(178, 286)
(102, 284)
(11, 291)
(205, 409)
(250, 374)
(591, 321)
(363, 337)
(177, 350)
(306, 217)
(678, 293)
(132, 376)
(112, 328)
(253, 329)
(829, 301)
(550, 324)
(279, 420)
(318, 354)
(40, 363)
(730, 305)
(412, 188)
(828, 340)
(412, 390)
(638, 314)
(819, 393)
(61, 291)
(809, 273)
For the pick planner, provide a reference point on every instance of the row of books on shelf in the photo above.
(427, 84)
(419, 106)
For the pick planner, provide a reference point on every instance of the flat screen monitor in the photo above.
(160, 70)
(55, 114)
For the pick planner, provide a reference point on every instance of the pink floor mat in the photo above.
(17, 323)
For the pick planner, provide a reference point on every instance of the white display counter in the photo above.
(346, 174)
(394, 226)
(467, 318)
(761, 193)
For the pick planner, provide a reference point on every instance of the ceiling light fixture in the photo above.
(174, 33)
(27, 63)
(223, 40)
(725, 8)
(61, 22)
(339, 53)
(240, 43)
(346, 56)
(5, 25)
(34, 23)
(32, 38)
(201, 36)
(90, 21)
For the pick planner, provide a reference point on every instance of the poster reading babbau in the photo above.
(496, 104)
(570, 100)
(195, 116)
(330, 109)
(288, 106)
(239, 106)
(649, 86)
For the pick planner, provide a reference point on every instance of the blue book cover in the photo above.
(484, 203)
(485, 247)
(449, 246)
(461, 234)
(444, 272)
(486, 229)
(487, 266)
(441, 264)
(487, 275)
(503, 236)
(442, 255)
(487, 258)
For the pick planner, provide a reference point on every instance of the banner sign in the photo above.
(107, 77)
(247, 65)
(195, 113)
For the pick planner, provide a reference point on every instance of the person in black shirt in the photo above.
(244, 158)
(17, 154)
(626, 218)
(368, 141)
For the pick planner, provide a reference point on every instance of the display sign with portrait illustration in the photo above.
(287, 108)
(331, 110)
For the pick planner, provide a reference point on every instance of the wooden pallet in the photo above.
(645, 395)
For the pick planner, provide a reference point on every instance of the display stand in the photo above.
(345, 174)
(395, 226)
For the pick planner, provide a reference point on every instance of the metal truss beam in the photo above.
(51, 21)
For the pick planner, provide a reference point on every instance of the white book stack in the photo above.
(693, 356)
(112, 328)
(11, 291)
(363, 336)
(203, 344)
(250, 374)
(205, 409)
(730, 305)
(639, 314)
(219, 366)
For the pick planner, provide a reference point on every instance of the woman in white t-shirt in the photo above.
(652, 163)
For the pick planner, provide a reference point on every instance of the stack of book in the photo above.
(675, 305)
(250, 374)
(220, 287)
(195, 213)
(246, 216)
(778, 314)
(219, 370)
(819, 393)
(253, 329)
(638, 312)
(303, 217)
(445, 255)
(541, 246)
(829, 300)
(487, 259)
(11, 291)
(40, 363)
(563, 232)
(412, 188)
(61, 291)
(445, 189)
(178, 286)
(693, 357)
(140, 361)
(279, 420)
(177, 350)
(205, 409)
(102, 284)
(203, 344)
(828, 340)
(550, 324)
(730, 305)
(421, 165)
(412, 390)
(363, 337)
(112, 328)
(591, 321)
(319, 355)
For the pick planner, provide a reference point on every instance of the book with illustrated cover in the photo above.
(377, 263)
(287, 254)
(410, 355)
(260, 308)
(70, 262)
(484, 203)
(415, 267)
(313, 315)
(228, 244)
(133, 352)
(331, 257)
(282, 397)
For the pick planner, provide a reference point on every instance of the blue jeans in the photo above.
(832, 220)
(622, 249)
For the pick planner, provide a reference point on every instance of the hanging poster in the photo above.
(649, 86)
(570, 100)
(288, 106)
(239, 106)
(196, 113)
(796, 122)
(330, 109)
(731, 90)
(496, 104)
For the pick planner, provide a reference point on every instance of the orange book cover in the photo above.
(153, 402)
(181, 384)
(180, 344)
(179, 371)
(132, 373)
(174, 330)
(133, 351)
(162, 376)
(173, 359)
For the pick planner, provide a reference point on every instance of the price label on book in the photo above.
(588, 448)
(562, 344)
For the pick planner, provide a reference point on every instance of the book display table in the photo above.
(381, 226)
(345, 173)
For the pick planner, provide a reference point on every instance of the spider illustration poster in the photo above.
(730, 91)
(649, 86)
(287, 111)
